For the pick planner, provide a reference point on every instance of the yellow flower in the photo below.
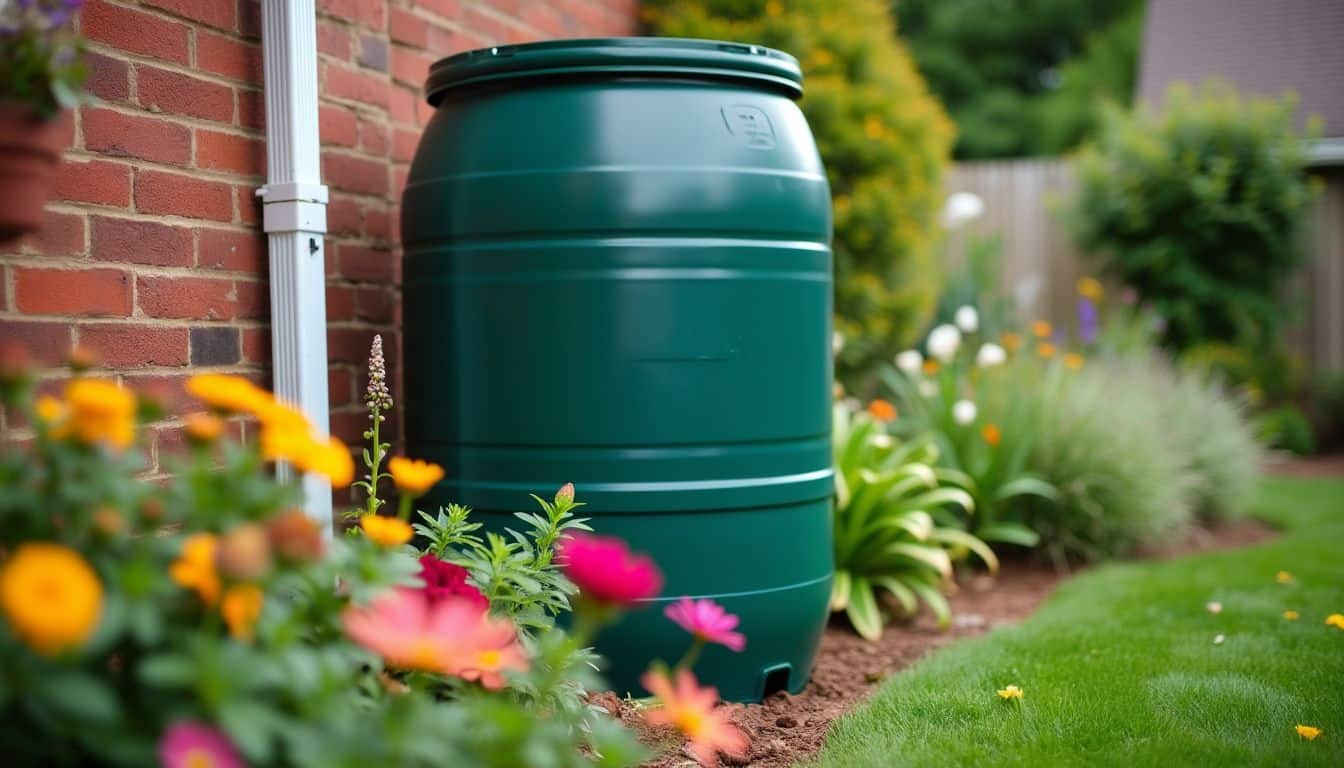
(413, 476)
(195, 567)
(773, 9)
(331, 459)
(241, 607)
(1011, 341)
(226, 392)
(1335, 620)
(1041, 329)
(1308, 732)
(51, 597)
(1291, 615)
(386, 531)
(1283, 577)
(1046, 350)
(50, 410)
(101, 412)
(203, 427)
(1011, 692)
(872, 127)
(1090, 287)
(1073, 360)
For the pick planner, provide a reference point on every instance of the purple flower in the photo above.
(1087, 320)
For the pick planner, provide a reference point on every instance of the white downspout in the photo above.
(294, 205)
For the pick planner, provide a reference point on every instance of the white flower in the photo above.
(1218, 639)
(967, 319)
(837, 342)
(1214, 606)
(963, 412)
(961, 208)
(910, 362)
(943, 342)
(928, 388)
(990, 355)
(882, 440)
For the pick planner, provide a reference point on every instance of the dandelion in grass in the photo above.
(1291, 615)
(1219, 639)
(1307, 732)
(1283, 577)
(707, 622)
(1011, 693)
(691, 709)
(1335, 620)
(1213, 606)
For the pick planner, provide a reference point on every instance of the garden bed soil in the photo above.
(785, 728)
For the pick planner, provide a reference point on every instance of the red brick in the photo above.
(126, 344)
(333, 40)
(253, 298)
(109, 78)
(228, 152)
(375, 305)
(343, 82)
(447, 9)
(216, 13)
(544, 18)
(96, 181)
(402, 104)
(175, 194)
(355, 174)
(359, 262)
(406, 27)
(186, 298)
(135, 31)
(249, 205)
(180, 94)
(340, 303)
(340, 387)
(377, 223)
(399, 176)
(62, 234)
(87, 292)
(349, 345)
(404, 142)
(251, 109)
(228, 57)
(233, 251)
(336, 125)
(146, 138)
(371, 13)
(410, 66)
(249, 18)
(167, 389)
(373, 138)
(256, 345)
(48, 343)
(344, 218)
(140, 242)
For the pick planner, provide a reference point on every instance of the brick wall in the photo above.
(152, 256)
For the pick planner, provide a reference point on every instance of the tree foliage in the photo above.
(883, 138)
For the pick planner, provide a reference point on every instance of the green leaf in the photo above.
(862, 611)
(1009, 533)
(1026, 486)
(897, 588)
(840, 590)
(936, 602)
(80, 698)
(934, 557)
(954, 536)
(167, 671)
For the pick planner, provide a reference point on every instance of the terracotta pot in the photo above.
(31, 148)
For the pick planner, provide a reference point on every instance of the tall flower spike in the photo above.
(377, 394)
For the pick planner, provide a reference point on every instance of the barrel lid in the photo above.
(659, 56)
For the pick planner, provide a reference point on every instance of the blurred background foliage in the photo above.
(1023, 78)
(885, 141)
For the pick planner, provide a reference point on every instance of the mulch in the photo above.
(787, 728)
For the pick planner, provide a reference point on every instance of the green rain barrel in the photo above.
(618, 274)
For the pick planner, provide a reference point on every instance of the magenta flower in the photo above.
(193, 745)
(444, 580)
(707, 621)
(606, 571)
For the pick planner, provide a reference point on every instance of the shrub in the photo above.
(883, 138)
(1213, 435)
(1286, 428)
(1197, 210)
(895, 532)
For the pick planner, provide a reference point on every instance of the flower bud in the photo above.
(295, 537)
(244, 553)
(565, 495)
(81, 358)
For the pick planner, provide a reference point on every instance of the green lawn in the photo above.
(1120, 666)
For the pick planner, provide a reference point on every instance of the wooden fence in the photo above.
(1040, 266)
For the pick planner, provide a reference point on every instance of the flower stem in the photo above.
(692, 654)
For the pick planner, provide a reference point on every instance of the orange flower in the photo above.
(691, 710)
(225, 392)
(386, 531)
(1011, 341)
(195, 567)
(1073, 361)
(331, 459)
(991, 434)
(1041, 329)
(1046, 350)
(101, 412)
(1090, 287)
(50, 596)
(930, 367)
(203, 427)
(882, 410)
(413, 476)
(241, 607)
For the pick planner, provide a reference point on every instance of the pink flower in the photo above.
(444, 580)
(707, 621)
(450, 637)
(606, 571)
(193, 745)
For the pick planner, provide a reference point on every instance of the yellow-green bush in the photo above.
(883, 137)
